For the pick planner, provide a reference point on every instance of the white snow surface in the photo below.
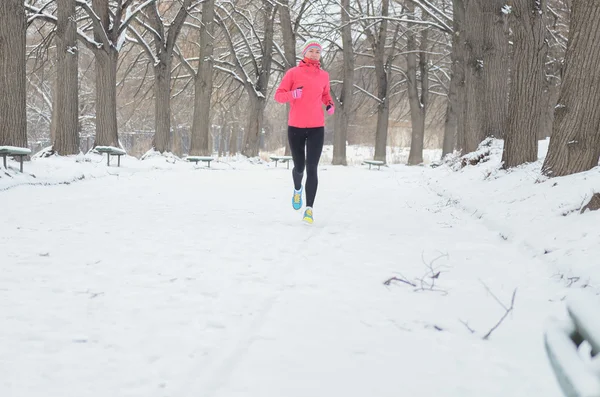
(165, 278)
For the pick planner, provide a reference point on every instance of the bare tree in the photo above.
(203, 83)
(575, 140)
(486, 71)
(66, 102)
(289, 44)
(418, 102)
(251, 65)
(526, 104)
(109, 28)
(13, 114)
(455, 120)
(164, 39)
(377, 40)
(344, 102)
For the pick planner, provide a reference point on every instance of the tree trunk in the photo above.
(162, 103)
(526, 105)
(13, 114)
(486, 72)
(253, 129)
(496, 62)
(344, 105)
(289, 49)
(575, 140)
(106, 78)
(258, 103)
(106, 98)
(474, 85)
(204, 84)
(383, 109)
(66, 95)
(233, 140)
(418, 106)
(455, 120)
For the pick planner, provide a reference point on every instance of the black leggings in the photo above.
(312, 138)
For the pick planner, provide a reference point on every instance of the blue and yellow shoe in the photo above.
(308, 215)
(297, 199)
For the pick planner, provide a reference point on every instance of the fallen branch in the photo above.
(467, 325)
(427, 281)
(506, 310)
(389, 281)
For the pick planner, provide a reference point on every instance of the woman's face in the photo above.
(313, 54)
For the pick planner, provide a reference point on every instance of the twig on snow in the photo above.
(506, 310)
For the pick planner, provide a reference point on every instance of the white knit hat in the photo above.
(311, 43)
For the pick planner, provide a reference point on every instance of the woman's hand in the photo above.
(330, 108)
(297, 93)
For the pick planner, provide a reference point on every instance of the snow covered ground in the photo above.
(162, 278)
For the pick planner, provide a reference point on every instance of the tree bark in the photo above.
(254, 124)
(383, 109)
(344, 104)
(418, 105)
(66, 139)
(526, 104)
(455, 121)
(486, 72)
(496, 61)
(106, 98)
(162, 103)
(575, 140)
(13, 115)
(106, 79)
(200, 144)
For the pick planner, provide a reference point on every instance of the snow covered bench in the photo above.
(283, 159)
(577, 376)
(14, 151)
(374, 162)
(111, 151)
(196, 159)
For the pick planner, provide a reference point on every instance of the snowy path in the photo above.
(206, 283)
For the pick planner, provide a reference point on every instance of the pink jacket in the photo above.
(306, 111)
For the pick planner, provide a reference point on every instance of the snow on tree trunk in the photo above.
(66, 139)
(13, 114)
(526, 104)
(575, 140)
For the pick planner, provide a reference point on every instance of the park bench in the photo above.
(111, 151)
(196, 159)
(283, 159)
(374, 162)
(15, 152)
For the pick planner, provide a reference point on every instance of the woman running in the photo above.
(306, 87)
